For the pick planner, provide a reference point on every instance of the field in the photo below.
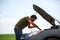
(7, 37)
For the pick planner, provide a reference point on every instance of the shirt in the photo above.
(21, 24)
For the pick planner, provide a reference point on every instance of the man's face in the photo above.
(33, 19)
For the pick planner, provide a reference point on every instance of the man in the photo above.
(21, 24)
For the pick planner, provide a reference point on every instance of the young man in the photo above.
(21, 24)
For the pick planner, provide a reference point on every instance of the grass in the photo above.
(7, 37)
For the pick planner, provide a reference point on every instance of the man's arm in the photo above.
(38, 27)
(29, 26)
(34, 24)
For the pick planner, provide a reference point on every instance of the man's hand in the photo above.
(38, 27)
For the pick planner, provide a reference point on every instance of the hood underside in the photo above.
(46, 16)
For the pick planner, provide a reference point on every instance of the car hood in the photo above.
(44, 14)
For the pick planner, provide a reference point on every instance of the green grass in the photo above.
(7, 37)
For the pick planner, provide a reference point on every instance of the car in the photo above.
(52, 33)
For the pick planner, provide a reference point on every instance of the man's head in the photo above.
(33, 18)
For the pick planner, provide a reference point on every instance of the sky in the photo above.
(11, 11)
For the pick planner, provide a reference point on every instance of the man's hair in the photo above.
(33, 16)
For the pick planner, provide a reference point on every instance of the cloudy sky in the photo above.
(13, 10)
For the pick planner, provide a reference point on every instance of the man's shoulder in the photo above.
(26, 17)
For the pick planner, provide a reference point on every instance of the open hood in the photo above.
(46, 16)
